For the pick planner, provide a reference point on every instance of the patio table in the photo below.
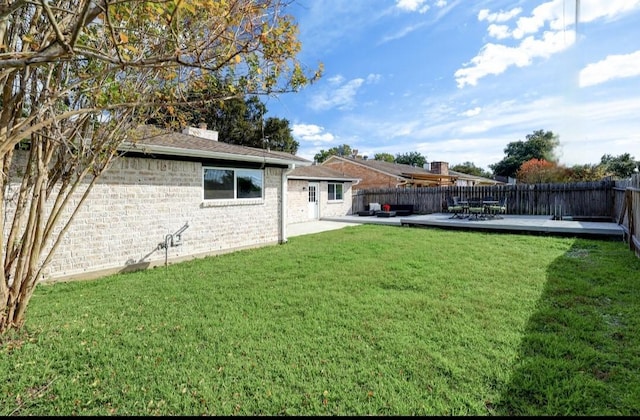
(487, 212)
(476, 209)
(465, 208)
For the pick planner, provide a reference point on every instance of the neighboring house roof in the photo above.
(320, 173)
(150, 139)
(477, 179)
(406, 174)
(412, 174)
(389, 168)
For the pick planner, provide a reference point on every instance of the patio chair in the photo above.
(500, 208)
(454, 207)
(476, 209)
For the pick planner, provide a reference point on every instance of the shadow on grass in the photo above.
(581, 354)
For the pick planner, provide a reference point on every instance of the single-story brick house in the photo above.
(175, 196)
(380, 174)
(317, 191)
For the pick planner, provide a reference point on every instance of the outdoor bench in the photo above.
(402, 209)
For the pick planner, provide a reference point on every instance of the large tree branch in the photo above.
(59, 48)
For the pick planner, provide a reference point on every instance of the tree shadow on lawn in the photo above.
(581, 353)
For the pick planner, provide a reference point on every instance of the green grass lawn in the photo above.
(363, 320)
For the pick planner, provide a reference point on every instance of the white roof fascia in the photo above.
(177, 151)
(322, 178)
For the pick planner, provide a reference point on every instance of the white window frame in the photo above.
(332, 197)
(235, 197)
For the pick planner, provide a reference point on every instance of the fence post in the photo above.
(629, 205)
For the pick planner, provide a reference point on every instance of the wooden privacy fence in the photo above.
(617, 200)
(627, 209)
(571, 199)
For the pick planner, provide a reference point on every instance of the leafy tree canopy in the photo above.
(586, 172)
(621, 166)
(385, 157)
(278, 135)
(471, 169)
(411, 158)
(539, 145)
(344, 150)
(237, 121)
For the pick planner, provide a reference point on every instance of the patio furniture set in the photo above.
(476, 209)
(387, 210)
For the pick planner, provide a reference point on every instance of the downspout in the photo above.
(283, 202)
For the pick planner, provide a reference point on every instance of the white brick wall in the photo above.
(298, 201)
(335, 208)
(137, 202)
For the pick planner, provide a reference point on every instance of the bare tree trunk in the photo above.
(40, 208)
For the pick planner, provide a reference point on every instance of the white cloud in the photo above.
(612, 67)
(552, 11)
(342, 97)
(499, 31)
(472, 112)
(311, 133)
(591, 10)
(412, 5)
(496, 58)
(373, 78)
(485, 14)
(336, 80)
(402, 33)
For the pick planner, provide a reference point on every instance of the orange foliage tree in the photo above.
(536, 171)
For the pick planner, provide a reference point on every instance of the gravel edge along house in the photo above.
(176, 196)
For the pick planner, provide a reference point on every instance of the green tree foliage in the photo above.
(385, 157)
(278, 135)
(621, 166)
(471, 169)
(411, 158)
(237, 121)
(586, 172)
(344, 150)
(540, 145)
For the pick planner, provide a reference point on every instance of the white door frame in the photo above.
(314, 200)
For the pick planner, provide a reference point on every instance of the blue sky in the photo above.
(457, 80)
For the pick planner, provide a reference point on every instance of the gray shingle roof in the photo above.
(391, 168)
(149, 139)
(402, 170)
(319, 172)
(482, 179)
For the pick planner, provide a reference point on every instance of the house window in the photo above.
(335, 192)
(232, 184)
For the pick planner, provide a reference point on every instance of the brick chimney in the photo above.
(201, 132)
(440, 168)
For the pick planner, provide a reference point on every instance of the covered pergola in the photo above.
(421, 179)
